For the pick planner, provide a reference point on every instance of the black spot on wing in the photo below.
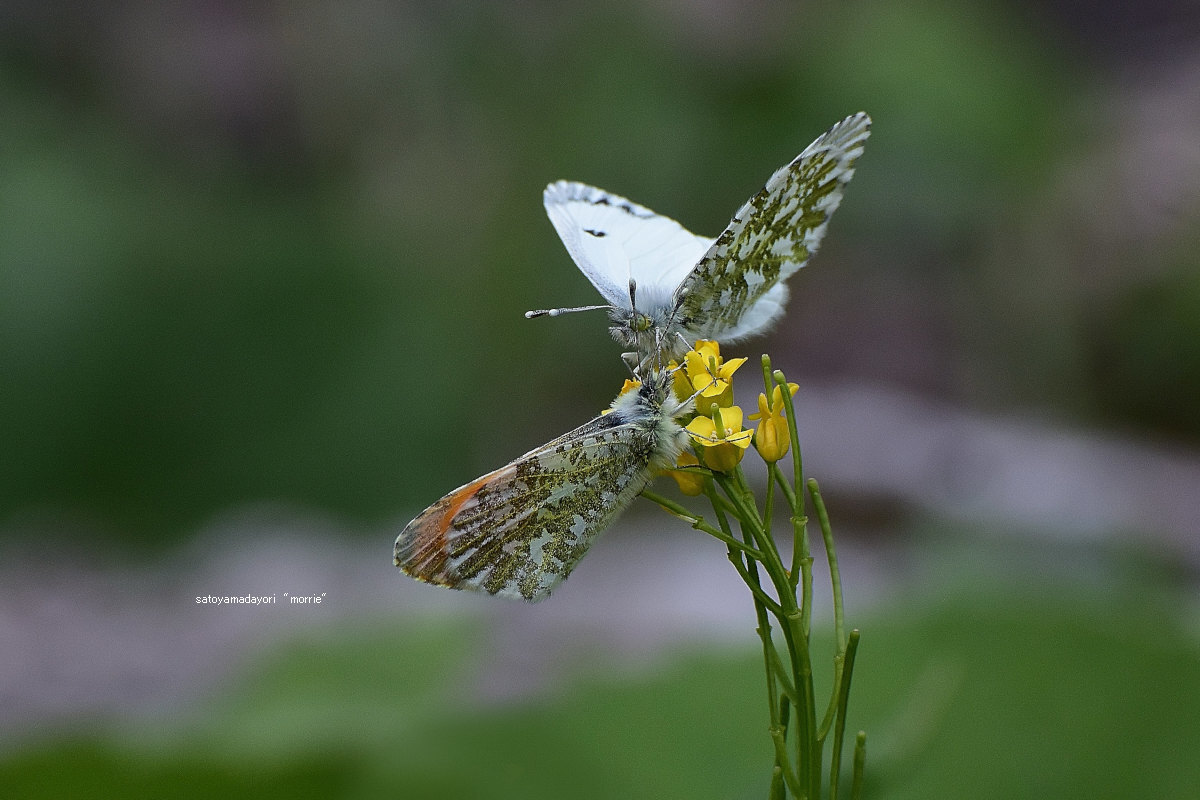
(624, 205)
(594, 232)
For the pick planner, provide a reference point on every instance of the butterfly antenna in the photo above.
(692, 399)
(554, 312)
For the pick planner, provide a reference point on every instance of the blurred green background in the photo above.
(278, 253)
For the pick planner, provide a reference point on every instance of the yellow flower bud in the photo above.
(772, 438)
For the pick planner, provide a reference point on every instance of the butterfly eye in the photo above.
(639, 322)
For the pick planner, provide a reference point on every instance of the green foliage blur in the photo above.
(281, 253)
(978, 694)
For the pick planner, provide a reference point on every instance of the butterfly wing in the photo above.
(520, 530)
(736, 288)
(613, 239)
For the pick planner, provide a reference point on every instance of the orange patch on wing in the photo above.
(454, 501)
(427, 535)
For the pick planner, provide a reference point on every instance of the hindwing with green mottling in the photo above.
(666, 287)
(770, 237)
(520, 530)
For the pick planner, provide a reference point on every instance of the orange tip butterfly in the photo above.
(665, 287)
(519, 531)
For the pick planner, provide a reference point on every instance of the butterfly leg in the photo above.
(633, 363)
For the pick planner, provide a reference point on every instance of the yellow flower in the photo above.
(720, 439)
(628, 387)
(771, 437)
(683, 386)
(710, 375)
(691, 481)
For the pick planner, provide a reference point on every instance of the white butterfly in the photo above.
(520, 530)
(666, 287)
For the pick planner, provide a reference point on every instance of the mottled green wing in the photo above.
(736, 289)
(520, 530)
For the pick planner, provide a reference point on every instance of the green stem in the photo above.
(860, 761)
(835, 575)
(790, 412)
(800, 551)
(744, 558)
(809, 744)
(781, 674)
(752, 550)
(839, 663)
(698, 523)
(769, 507)
(778, 790)
(747, 513)
(779, 739)
(748, 571)
(839, 733)
(807, 750)
(792, 625)
(776, 473)
(799, 528)
(747, 516)
(725, 505)
(768, 383)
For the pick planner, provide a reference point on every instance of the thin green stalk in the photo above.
(699, 523)
(839, 662)
(779, 739)
(752, 550)
(778, 609)
(792, 626)
(860, 761)
(839, 733)
(807, 753)
(808, 744)
(771, 660)
(801, 557)
(781, 674)
(768, 381)
(769, 505)
(790, 413)
(769, 508)
(778, 790)
(775, 472)
(785, 711)
(800, 549)
(835, 576)
(748, 572)
(748, 568)
(747, 515)
(725, 505)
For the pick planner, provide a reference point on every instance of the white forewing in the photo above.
(689, 286)
(612, 239)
